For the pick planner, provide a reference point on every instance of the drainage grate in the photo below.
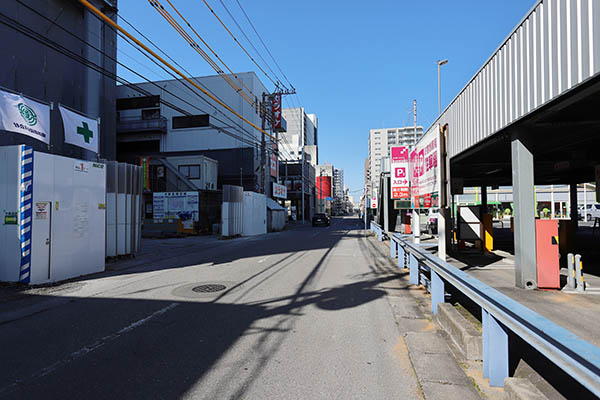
(209, 288)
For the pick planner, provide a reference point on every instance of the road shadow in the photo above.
(200, 251)
(101, 348)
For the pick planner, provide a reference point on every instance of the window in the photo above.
(191, 121)
(190, 171)
(152, 113)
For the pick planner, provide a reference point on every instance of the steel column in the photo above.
(393, 248)
(573, 214)
(524, 214)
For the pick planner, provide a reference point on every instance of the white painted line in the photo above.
(263, 260)
(87, 349)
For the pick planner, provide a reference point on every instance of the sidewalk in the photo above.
(577, 313)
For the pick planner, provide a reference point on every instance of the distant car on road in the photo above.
(592, 211)
(320, 219)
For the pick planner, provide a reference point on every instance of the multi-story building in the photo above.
(302, 131)
(80, 77)
(380, 142)
(299, 177)
(338, 191)
(165, 121)
(324, 178)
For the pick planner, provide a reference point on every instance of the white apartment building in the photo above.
(380, 141)
(302, 130)
(338, 191)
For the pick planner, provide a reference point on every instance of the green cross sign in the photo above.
(85, 131)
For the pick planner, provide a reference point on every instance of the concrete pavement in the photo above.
(305, 315)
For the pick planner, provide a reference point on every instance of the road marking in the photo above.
(263, 260)
(87, 349)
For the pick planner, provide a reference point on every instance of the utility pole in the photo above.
(302, 184)
(263, 152)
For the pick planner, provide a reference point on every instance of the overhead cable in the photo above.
(87, 4)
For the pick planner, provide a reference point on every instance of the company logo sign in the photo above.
(28, 114)
(400, 172)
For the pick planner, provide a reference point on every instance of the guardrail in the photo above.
(500, 314)
(377, 230)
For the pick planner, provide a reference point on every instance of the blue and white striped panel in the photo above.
(26, 212)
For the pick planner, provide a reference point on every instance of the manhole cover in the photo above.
(209, 288)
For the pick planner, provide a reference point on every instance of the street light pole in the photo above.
(439, 64)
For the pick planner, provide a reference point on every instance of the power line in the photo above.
(116, 26)
(68, 53)
(238, 42)
(242, 130)
(263, 43)
(252, 44)
(248, 96)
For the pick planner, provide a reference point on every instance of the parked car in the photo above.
(320, 219)
(592, 211)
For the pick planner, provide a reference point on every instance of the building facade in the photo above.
(380, 142)
(164, 120)
(339, 200)
(79, 76)
(302, 131)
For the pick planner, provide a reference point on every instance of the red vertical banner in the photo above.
(274, 163)
(276, 111)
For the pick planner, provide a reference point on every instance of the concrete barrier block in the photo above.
(521, 389)
(461, 331)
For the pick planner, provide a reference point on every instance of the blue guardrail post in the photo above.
(401, 260)
(495, 350)
(393, 248)
(414, 270)
(437, 291)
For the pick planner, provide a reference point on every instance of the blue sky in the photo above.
(358, 65)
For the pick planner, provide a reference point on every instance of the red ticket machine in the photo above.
(547, 254)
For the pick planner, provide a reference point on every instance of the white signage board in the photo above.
(79, 130)
(399, 173)
(425, 171)
(374, 199)
(175, 205)
(279, 191)
(27, 117)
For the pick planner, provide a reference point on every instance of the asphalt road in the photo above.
(303, 316)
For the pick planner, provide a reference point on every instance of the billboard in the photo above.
(279, 191)
(323, 187)
(425, 171)
(175, 205)
(399, 173)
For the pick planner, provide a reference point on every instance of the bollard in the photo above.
(571, 271)
(579, 273)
